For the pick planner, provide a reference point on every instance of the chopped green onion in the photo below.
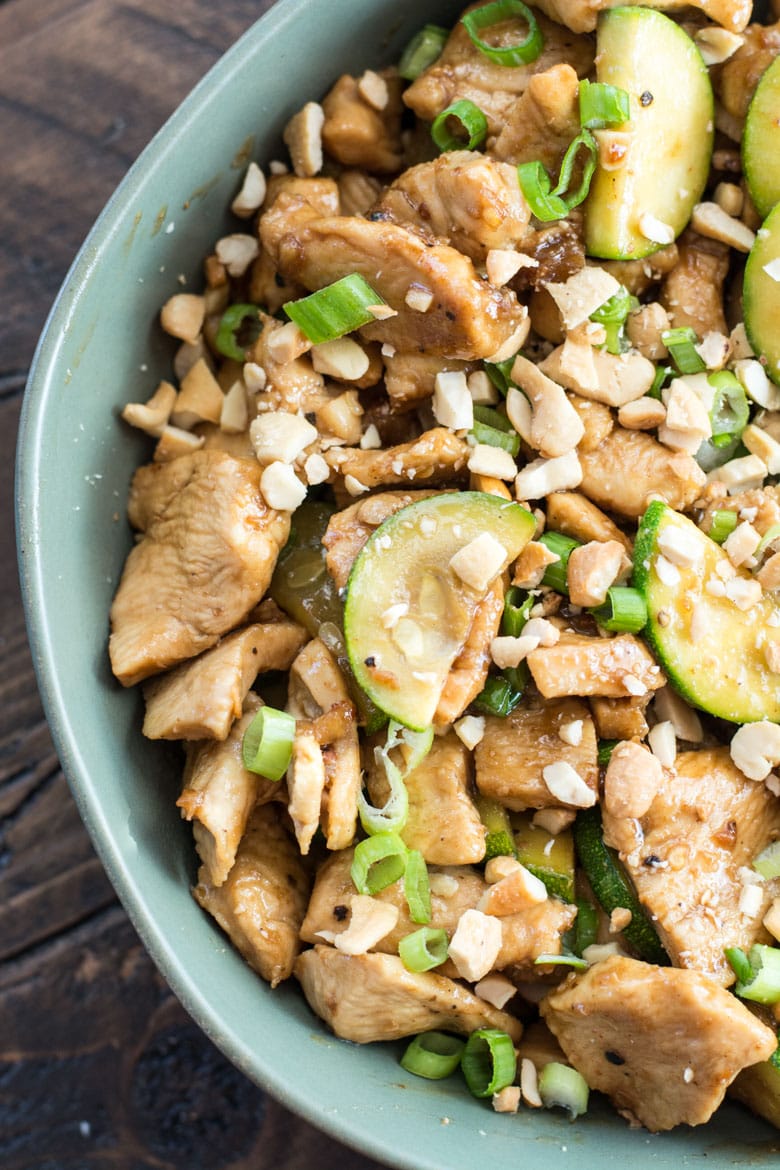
(723, 524)
(417, 889)
(730, 409)
(586, 926)
(500, 374)
(517, 609)
(472, 121)
(517, 677)
(536, 186)
(768, 861)
(267, 744)
(661, 374)
(433, 1055)
(739, 963)
(563, 1086)
(681, 344)
(497, 697)
(500, 10)
(492, 417)
(579, 964)
(378, 862)
(771, 536)
(422, 50)
(586, 139)
(763, 983)
(334, 310)
(493, 437)
(624, 611)
(489, 1063)
(605, 749)
(414, 745)
(423, 950)
(612, 315)
(603, 105)
(563, 546)
(394, 813)
(499, 838)
(235, 319)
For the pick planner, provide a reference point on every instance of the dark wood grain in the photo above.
(100, 1067)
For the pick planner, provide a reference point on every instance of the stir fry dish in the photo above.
(457, 569)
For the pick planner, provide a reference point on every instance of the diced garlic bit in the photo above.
(751, 900)
(632, 780)
(507, 1100)
(529, 1083)
(478, 562)
(255, 377)
(370, 440)
(655, 229)
(717, 45)
(592, 569)
(487, 460)
(545, 632)
(755, 748)
(373, 89)
(343, 359)
(663, 743)
(182, 316)
(583, 293)
(710, 220)
(553, 820)
(571, 733)
(303, 138)
(288, 343)
(745, 594)
(753, 378)
(316, 469)
(369, 923)
(475, 945)
(619, 919)
(279, 436)
(495, 989)
(153, 415)
(481, 389)
(543, 476)
(680, 546)
(237, 252)
(519, 890)
(281, 487)
(772, 919)
(470, 730)
(235, 413)
(740, 475)
(507, 651)
(252, 193)
(760, 443)
(502, 265)
(730, 198)
(741, 544)
(643, 414)
(566, 785)
(453, 405)
(419, 299)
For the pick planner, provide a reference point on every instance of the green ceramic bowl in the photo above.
(101, 348)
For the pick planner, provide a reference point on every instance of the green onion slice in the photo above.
(762, 983)
(768, 861)
(433, 1055)
(335, 310)
(500, 374)
(584, 139)
(575, 961)
(394, 813)
(422, 50)
(473, 124)
(517, 610)
(603, 105)
(612, 315)
(661, 374)
(495, 437)
(489, 1063)
(624, 611)
(730, 408)
(605, 749)
(739, 963)
(537, 188)
(267, 744)
(235, 320)
(560, 1085)
(563, 547)
(423, 950)
(417, 889)
(681, 344)
(497, 697)
(490, 14)
(378, 862)
(770, 537)
(723, 524)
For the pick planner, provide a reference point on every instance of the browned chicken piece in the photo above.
(514, 751)
(462, 71)
(262, 903)
(464, 198)
(765, 501)
(684, 856)
(539, 1046)
(597, 419)
(266, 286)
(290, 204)
(443, 822)
(542, 122)
(202, 698)
(634, 1031)
(218, 795)
(291, 385)
(640, 275)
(629, 467)
(736, 80)
(578, 665)
(620, 718)
(581, 15)
(373, 997)
(692, 293)
(208, 550)
(559, 252)
(524, 935)
(215, 439)
(470, 669)
(467, 318)
(358, 135)
(349, 529)
(411, 377)
(438, 456)
(574, 515)
(357, 191)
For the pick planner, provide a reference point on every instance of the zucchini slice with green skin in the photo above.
(611, 886)
(761, 294)
(408, 613)
(499, 839)
(549, 858)
(668, 140)
(761, 142)
(712, 651)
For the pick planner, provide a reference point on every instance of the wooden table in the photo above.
(99, 1065)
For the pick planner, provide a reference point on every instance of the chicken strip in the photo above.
(411, 377)
(611, 667)
(543, 121)
(735, 82)
(692, 293)
(357, 134)
(437, 456)
(629, 468)
(470, 669)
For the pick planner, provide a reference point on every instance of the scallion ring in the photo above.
(378, 862)
(495, 437)
(497, 697)
(612, 315)
(723, 523)
(584, 139)
(471, 120)
(500, 373)
(489, 1063)
(234, 321)
(417, 890)
(681, 343)
(768, 861)
(266, 748)
(563, 547)
(560, 1085)
(730, 408)
(623, 612)
(537, 189)
(488, 15)
(602, 105)
(763, 983)
(770, 539)
(424, 949)
(334, 310)
(422, 50)
(659, 381)
(394, 813)
(433, 1055)
(517, 610)
(492, 417)
(739, 963)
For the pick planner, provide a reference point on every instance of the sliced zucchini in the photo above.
(499, 839)
(668, 139)
(549, 858)
(761, 294)
(712, 651)
(761, 141)
(301, 584)
(408, 612)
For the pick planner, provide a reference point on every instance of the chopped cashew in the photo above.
(566, 785)
(669, 707)
(182, 316)
(741, 544)
(453, 405)
(496, 989)
(153, 415)
(632, 780)
(513, 893)
(199, 399)
(663, 743)
(252, 193)
(369, 923)
(592, 569)
(543, 476)
(716, 45)
(493, 461)
(478, 562)
(643, 414)
(761, 444)
(342, 358)
(710, 220)
(237, 252)
(303, 137)
(475, 945)
(755, 749)
(507, 651)
(555, 428)
(235, 414)
(582, 294)
(281, 487)
(279, 436)
(373, 89)
(501, 265)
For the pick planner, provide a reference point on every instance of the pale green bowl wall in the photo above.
(102, 348)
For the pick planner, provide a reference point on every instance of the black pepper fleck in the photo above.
(370, 661)
(646, 99)
(614, 1057)
(651, 860)
(340, 913)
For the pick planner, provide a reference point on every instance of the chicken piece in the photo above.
(610, 667)
(470, 669)
(215, 439)
(262, 903)
(684, 856)
(542, 122)
(202, 698)
(692, 293)
(443, 822)
(291, 385)
(349, 529)
(663, 1044)
(358, 135)
(462, 71)
(628, 468)
(373, 997)
(574, 515)
(597, 419)
(514, 751)
(437, 456)
(266, 286)
(735, 82)
(559, 252)
(464, 198)
(290, 204)
(219, 793)
(411, 377)
(467, 317)
(208, 550)
(357, 191)
(620, 718)
(539, 1046)
(765, 501)
(581, 15)
(639, 275)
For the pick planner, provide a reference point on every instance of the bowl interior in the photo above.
(102, 347)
